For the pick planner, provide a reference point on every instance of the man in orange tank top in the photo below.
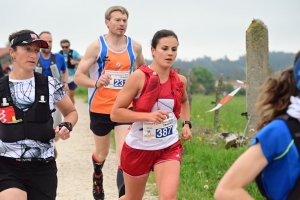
(109, 60)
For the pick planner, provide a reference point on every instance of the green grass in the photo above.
(82, 93)
(230, 118)
(205, 164)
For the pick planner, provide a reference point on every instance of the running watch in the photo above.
(68, 125)
(187, 122)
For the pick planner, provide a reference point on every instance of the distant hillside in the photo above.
(235, 69)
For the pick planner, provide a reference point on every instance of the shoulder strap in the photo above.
(146, 70)
(294, 126)
(178, 92)
(71, 53)
(4, 89)
(53, 59)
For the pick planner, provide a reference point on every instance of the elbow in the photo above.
(218, 194)
(113, 116)
(222, 193)
(77, 79)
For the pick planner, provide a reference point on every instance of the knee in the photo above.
(101, 153)
(168, 196)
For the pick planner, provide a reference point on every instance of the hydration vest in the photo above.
(53, 67)
(150, 91)
(36, 123)
(294, 127)
(69, 58)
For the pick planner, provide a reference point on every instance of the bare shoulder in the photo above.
(182, 78)
(95, 45)
(93, 50)
(138, 74)
(137, 47)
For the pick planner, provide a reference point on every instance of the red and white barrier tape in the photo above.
(228, 97)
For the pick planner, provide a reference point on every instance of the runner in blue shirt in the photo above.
(72, 59)
(273, 151)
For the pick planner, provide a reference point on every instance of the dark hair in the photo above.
(296, 57)
(161, 34)
(44, 32)
(15, 34)
(65, 41)
(274, 97)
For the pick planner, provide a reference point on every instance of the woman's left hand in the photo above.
(63, 133)
(186, 133)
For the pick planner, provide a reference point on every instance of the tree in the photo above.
(227, 88)
(204, 77)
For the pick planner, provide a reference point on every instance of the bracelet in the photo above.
(96, 83)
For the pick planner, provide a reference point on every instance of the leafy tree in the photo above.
(227, 88)
(204, 77)
(241, 92)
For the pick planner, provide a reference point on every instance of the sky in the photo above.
(213, 28)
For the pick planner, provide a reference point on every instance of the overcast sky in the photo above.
(213, 28)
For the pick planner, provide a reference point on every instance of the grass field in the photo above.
(204, 164)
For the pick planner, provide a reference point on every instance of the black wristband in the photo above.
(68, 125)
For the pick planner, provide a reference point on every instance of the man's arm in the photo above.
(137, 47)
(85, 64)
(76, 58)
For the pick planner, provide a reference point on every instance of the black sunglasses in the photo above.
(64, 47)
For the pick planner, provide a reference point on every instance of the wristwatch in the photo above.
(68, 125)
(187, 122)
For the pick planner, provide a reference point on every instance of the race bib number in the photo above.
(152, 131)
(118, 79)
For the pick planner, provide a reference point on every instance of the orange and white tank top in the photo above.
(117, 64)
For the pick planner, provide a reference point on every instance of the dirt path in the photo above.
(75, 167)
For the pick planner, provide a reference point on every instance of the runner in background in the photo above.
(109, 60)
(72, 59)
(52, 64)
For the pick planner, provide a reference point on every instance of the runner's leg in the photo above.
(102, 148)
(135, 187)
(167, 179)
(121, 132)
(13, 194)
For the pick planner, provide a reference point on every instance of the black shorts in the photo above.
(38, 179)
(101, 124)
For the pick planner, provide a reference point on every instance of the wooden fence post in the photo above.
(218, 94)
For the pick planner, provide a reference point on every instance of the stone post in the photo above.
(218, 94)
(257, 68)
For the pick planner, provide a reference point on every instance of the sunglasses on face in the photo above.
(64, 47)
